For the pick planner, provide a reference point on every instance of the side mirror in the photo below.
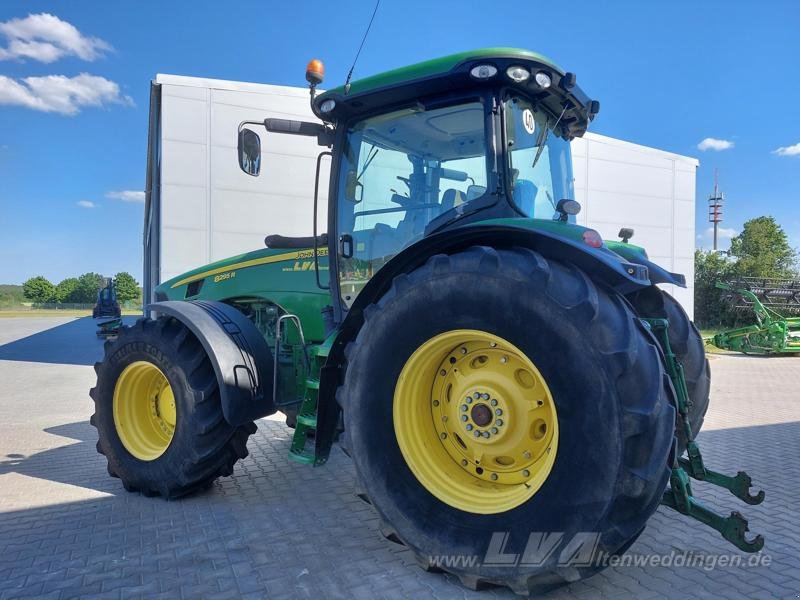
(249, 152)
(353, 188)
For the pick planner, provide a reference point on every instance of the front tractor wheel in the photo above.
(506, 415)
(158, 414)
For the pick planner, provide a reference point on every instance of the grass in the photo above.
(56, 313)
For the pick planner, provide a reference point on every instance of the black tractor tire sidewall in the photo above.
(123, 462)
(587, 386)
(204, 446)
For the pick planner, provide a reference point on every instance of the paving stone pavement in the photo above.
(280, 530)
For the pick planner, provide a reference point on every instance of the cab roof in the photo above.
(452, 74)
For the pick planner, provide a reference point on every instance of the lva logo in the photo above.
(578, 551)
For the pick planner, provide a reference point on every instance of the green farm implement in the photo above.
(771, 301)
(488, 364)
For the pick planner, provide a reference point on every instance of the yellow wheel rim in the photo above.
(475, 421)
(144, 410)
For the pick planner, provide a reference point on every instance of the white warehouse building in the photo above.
(201, 208)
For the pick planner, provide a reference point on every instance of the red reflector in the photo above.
(592, 238)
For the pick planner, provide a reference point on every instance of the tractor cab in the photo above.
(450, 142)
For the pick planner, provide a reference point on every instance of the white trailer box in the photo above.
(200, 207)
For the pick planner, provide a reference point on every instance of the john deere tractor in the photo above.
(491, 367)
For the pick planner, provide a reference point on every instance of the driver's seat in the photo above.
(450, 199)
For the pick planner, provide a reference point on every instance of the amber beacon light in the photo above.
(315, 71)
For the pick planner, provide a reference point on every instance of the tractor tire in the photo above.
(531, 336)
(689, 348)
(158, 413)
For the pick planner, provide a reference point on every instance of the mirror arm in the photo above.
(323, 134)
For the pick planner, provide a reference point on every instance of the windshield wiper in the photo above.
(373, 152)
(543, 137)
(540, 143)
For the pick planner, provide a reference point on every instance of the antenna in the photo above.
(358, 53)
(715, 202)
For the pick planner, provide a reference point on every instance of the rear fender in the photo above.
(601, 265)
(242, 360)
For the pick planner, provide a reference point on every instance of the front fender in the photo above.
(241, 358)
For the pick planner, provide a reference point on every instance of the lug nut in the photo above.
(464, 417)
(486, 434)
(499, 422)
(468, 399)
(498, 411)
(477, 433)
(494, 402)
(469, 427)
(484, 396)
(476, 395)
(495, 430)
(464, 408)
(494, 476)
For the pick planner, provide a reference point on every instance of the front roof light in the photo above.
(543, 79)
(483, 71)
(327, 106)
(518, 74)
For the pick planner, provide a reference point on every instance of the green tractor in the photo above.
(496, 372)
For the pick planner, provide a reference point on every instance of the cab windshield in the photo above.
(400, 171)
(540, 163)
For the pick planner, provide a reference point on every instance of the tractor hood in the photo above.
(231, 270)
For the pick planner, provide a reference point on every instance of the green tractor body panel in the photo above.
(285, 278)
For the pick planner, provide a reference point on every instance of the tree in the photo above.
(88, 286)
(709, 308)
(38, 289)
(762, 250)
(127, 287)
(65, 291)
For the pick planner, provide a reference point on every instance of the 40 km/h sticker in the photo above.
(527, 120)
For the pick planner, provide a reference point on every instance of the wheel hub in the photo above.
(492, 416)
(144, 410)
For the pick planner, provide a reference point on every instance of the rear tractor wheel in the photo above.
(158, 414)
(499, 406)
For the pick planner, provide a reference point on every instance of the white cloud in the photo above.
(710, 143)
(86, 204)
(61, 94)
(793, 150)
(46, 38)
(126, 195)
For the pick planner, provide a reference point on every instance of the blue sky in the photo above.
(668, 75)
